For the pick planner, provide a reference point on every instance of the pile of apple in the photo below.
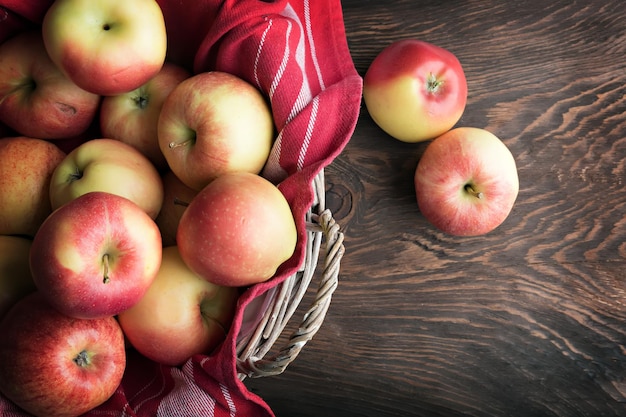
(147, 228)
(466, 181)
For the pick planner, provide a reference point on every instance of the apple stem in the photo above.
(82, 359)
(473, 192)
(179, 202)
(173, 145)
(105, 259)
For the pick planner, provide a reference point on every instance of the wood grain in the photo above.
(529, 320)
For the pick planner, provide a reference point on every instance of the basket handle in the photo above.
(312, 320)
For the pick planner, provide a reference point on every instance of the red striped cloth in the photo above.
(295, 51)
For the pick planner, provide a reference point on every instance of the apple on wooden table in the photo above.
(26, 167)
(96, 256)
(132, 117)
(106, 47)
(16, 280)
(414, 90)
(181, 314)
(466, 182)
(52, 365)
(237, 231)
(215, 123)
(111, 166)
(36, 99)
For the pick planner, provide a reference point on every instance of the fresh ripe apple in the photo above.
(214, 123)
(414, 90)
(237, 231)
(107, 47)
(466, 182)
(16, 280)
(36, 99)
(53, 365)
(26, 166)
(181, 315)
(96, 256)
(132, 117)
(176, 198)
(111, 166)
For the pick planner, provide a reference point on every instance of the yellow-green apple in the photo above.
(56, 366)
(107, 47)
(36, 99)
(95, 256)
(181, 315)
(111, 166)
(26, 167)
(176, 198)
(213, 123)
(414, 90)
(16, 280)
(132, 117)
(466, 182)
(237, 231)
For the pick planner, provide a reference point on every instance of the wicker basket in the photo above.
(255, 354)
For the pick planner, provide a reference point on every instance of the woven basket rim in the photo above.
(323, 238)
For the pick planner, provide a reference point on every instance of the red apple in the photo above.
(36, 99)
(237, 231)
(414, 90)
(111, 166)
(107, 47)
(16, 280)
(181, 315)
(55, 366)
(132, 117)
(26, 166)
(466, 182)
(96, 256)
(176, 198)
(214, 123)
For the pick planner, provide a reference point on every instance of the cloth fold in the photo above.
(296, 53)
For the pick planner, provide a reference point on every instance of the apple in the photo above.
(466, 182)
(36, 99)
(16, 280)
(53, 365)
(181, 315)
(237, 231)
(107, 165)
(26, 167)
(132, 117)
(414, 90)
(176, 198)
(95, 256)
(106, 47)
(214, 123)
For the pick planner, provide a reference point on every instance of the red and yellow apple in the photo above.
(466, 182)
(132, 117)
(237, 231)
(96, 256)
(181, 314)
(111, 166)
(214, 123)
(106, 47)
(36, 99)
(414, 90)
(26, 167)
(176, 198)
(16, 280)
(53, 365)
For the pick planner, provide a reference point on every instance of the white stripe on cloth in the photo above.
(186, 398)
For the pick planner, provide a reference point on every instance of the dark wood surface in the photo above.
(529, 320)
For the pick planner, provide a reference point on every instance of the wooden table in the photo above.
(529, 320)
